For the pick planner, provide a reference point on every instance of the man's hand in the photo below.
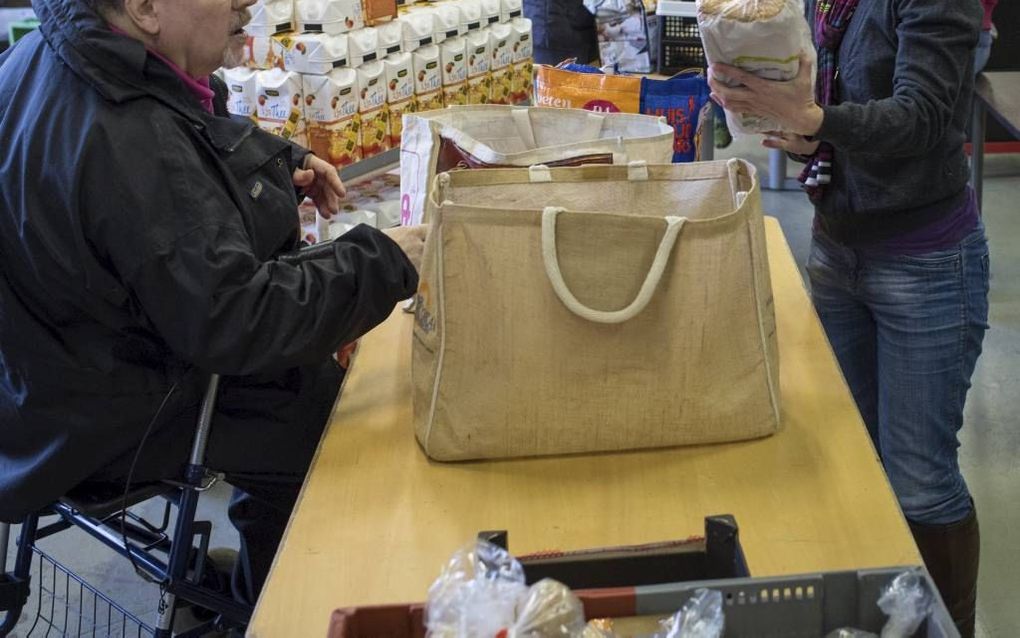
(411, 240)
(790, 142)
(321, 181)
(791, 103)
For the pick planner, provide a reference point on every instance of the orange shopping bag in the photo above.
(561, 88)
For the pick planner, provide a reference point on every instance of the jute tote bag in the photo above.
(590, 309)
(488, 136)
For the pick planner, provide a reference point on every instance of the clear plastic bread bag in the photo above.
(906, 601)
(477, 593)
(481, 593)
(701, 617)
(764, 37)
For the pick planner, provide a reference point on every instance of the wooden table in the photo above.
(376, 520)
(998, 93)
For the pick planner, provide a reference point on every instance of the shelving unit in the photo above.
(374, 165)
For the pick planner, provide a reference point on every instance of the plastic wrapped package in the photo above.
(454, 62)
(550, 610)
(418, 30)
(510, 9)
(907, 602)
(448, 22)
(491, 10)
(390, 38)
(329, 16)
(481, 592)
(764, 37)
(242, 84)
(265, 52)
(332, 108)
(470, 15)
(269, 17)
(373, 113)
(363, 46)
(280, 108)
(502, 38)
(700, 617)
(476, 594)
(428, 78)
(315, 53)
(622, 34)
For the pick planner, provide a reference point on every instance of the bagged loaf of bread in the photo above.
(764, 37)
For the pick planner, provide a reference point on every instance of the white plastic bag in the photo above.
(764, 37)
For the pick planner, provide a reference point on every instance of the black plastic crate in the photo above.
(680, 28)
(678, 56)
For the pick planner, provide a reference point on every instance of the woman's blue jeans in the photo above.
(907, 331)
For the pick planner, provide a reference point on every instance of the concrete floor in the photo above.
(991, 437)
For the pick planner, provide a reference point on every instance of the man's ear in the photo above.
(143, 14)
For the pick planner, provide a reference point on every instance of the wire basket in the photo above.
(68, 606)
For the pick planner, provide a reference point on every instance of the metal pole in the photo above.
(205, 420)
(708, 136)
(777, 169)
(5, 537)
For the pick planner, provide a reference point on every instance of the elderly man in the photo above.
(138, 236)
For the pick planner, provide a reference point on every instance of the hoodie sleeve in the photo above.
(935, 53)
(169, 228)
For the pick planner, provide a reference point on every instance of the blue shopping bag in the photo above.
(683, 101)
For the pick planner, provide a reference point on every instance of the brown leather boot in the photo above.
(951, 553)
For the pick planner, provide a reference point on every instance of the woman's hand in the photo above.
(791, 104)
(411, 240)
(791, 142)
(320, 180)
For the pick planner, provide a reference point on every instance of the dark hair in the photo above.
(104, 7)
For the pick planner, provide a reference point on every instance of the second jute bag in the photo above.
(489, 136)
(592, 309)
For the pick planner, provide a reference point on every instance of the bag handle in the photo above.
(644, 296)
(637, 171)
(733, 171)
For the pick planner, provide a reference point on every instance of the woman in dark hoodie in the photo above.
(899, 259)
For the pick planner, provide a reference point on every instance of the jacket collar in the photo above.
(120, 69)
(116, 66)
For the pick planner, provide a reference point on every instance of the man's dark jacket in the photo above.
(562, 29)
(137, 243)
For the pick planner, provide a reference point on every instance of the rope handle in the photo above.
(647, 290)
